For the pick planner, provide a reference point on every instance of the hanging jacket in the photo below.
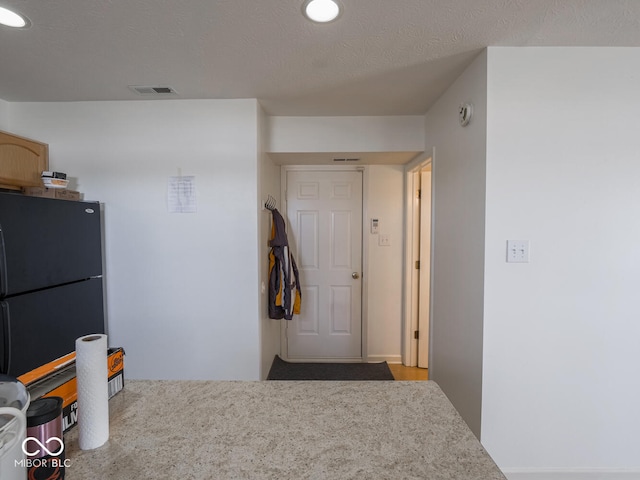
(284, 282)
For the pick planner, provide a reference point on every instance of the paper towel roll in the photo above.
(93, 395)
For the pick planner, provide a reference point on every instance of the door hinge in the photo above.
(419, 194)
(417, 264)
(416, 335)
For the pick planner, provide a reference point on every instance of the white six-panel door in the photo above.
(324, 211)
(425, 269)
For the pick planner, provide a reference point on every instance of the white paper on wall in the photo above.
(182, 194)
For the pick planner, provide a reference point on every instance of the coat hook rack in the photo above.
(270, 204)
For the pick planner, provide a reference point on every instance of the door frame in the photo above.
(364, 249)
(409, 317)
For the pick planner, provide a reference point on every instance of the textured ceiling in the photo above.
(381, 57)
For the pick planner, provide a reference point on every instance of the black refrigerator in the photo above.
(50, 278)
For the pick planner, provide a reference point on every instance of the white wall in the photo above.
(4, 115)
(182, 289)
(561, 333)
(458, 242)
(385, 187)
(347, 134)
(269, 184)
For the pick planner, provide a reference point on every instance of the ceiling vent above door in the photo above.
(153, 90)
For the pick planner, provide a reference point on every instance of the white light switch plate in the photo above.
(518, 251)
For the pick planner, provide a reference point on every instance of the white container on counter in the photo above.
(14, 402)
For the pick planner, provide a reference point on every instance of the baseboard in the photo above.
(322, 360)
(384, 358)
(369, 359)
(571, 474)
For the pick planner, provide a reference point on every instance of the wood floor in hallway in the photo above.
(400, 372)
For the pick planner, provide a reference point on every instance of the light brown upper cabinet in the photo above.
(21, 161)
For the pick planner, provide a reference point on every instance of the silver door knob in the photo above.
(355, 275)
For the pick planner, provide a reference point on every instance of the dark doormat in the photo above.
(281, 370)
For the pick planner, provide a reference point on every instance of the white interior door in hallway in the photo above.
(424, 298)
(417, 295)
(324, 210)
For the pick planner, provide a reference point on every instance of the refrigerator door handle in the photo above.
(5, 338)
(3, 266)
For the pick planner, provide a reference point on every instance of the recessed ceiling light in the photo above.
(12, 19)
(321, 11)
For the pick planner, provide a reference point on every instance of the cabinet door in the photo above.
(21, 161)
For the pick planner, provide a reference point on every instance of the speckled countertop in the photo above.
(282, 430)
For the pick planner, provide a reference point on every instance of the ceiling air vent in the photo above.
(153, 90)
(346, 159)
